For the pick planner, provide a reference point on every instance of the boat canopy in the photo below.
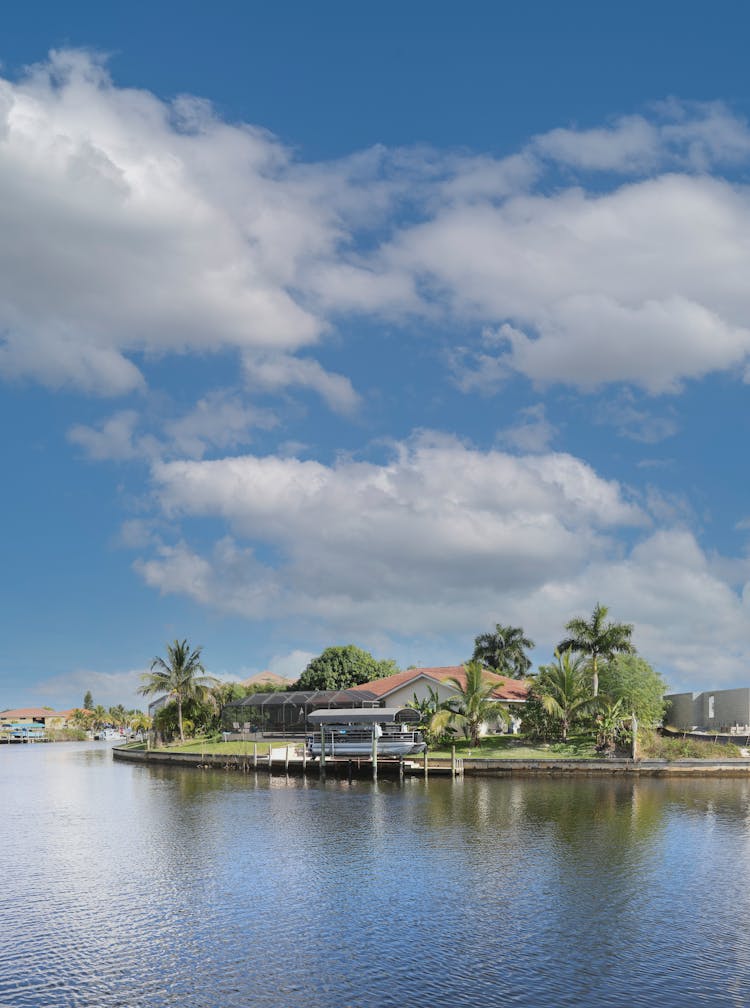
(365, 715)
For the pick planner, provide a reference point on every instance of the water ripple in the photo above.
(129, 886)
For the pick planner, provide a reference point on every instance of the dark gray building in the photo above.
(712, 710)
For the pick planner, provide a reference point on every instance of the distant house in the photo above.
(712, 710)
(36, 715)
(399, 689)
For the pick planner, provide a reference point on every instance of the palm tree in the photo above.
(429, 708)
(563, 690)
(504, 651)
(139, 722)
(472, 706)
(181, 676)
(597, 639)
(100, 716)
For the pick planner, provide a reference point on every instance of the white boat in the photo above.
(355, 731)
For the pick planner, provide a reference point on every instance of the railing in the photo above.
(365, 735)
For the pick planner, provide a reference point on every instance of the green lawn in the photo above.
(508, 747)
(203, 746)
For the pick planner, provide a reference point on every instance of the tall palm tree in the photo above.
(180, 675)
(504, 651)
(597, 639)
(471, 706)
(563, 690)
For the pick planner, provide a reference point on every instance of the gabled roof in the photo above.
(35, 712)
(506, 688)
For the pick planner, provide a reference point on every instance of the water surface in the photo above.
(131, 886)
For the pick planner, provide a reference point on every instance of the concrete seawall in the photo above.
(442, 767)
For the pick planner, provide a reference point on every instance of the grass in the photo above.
(212, 748)
(651, 745)
(513, 747)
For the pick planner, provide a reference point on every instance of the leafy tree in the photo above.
(630, 678)
(597, 639)
(472, 706)
(536, 722)
(181, 676)
(344, 666)
(82, 718)
(88, 701)
(563, 691)
(503, 650)
(429, 708)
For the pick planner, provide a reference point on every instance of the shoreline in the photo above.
(552, 767)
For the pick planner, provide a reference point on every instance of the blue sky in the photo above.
(332, 323)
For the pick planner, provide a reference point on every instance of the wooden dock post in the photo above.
(322, 749)
(286, 759)
(374, 754)
(304, 756)
(425, 764)
(255, 755)
(401, 768)
(453, 761)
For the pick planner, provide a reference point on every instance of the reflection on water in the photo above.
(125, 885)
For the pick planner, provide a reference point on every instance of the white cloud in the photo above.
(643, 284)
(219, 420)
(133, 228)
(413, 544)
(533, 432)
(444, 540)
(114, 439)
(129, 224)
(282, 370)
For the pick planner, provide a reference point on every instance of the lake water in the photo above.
(130, 886)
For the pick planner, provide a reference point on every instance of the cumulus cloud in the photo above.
(130, 224)
(133, 228)
(411, 544)
(444, 539)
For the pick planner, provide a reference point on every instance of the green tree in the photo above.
(343, 666)
(536, 722)
(597, 639)
(471, 706)
(429, 707)
(630, 678)
(139, 722)
(100, 716)
(118, 716)
(180, 675)
(88, 700)
(503, 650)
(564, 691)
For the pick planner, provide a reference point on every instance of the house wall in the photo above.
(682, 711)
(403, 695)
(729, 708)
(710, 709)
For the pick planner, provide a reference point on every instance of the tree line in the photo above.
(596, 681)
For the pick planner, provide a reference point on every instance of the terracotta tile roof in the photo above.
(36, 712)
(507, 689)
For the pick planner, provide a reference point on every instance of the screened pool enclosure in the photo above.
(287, 713)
